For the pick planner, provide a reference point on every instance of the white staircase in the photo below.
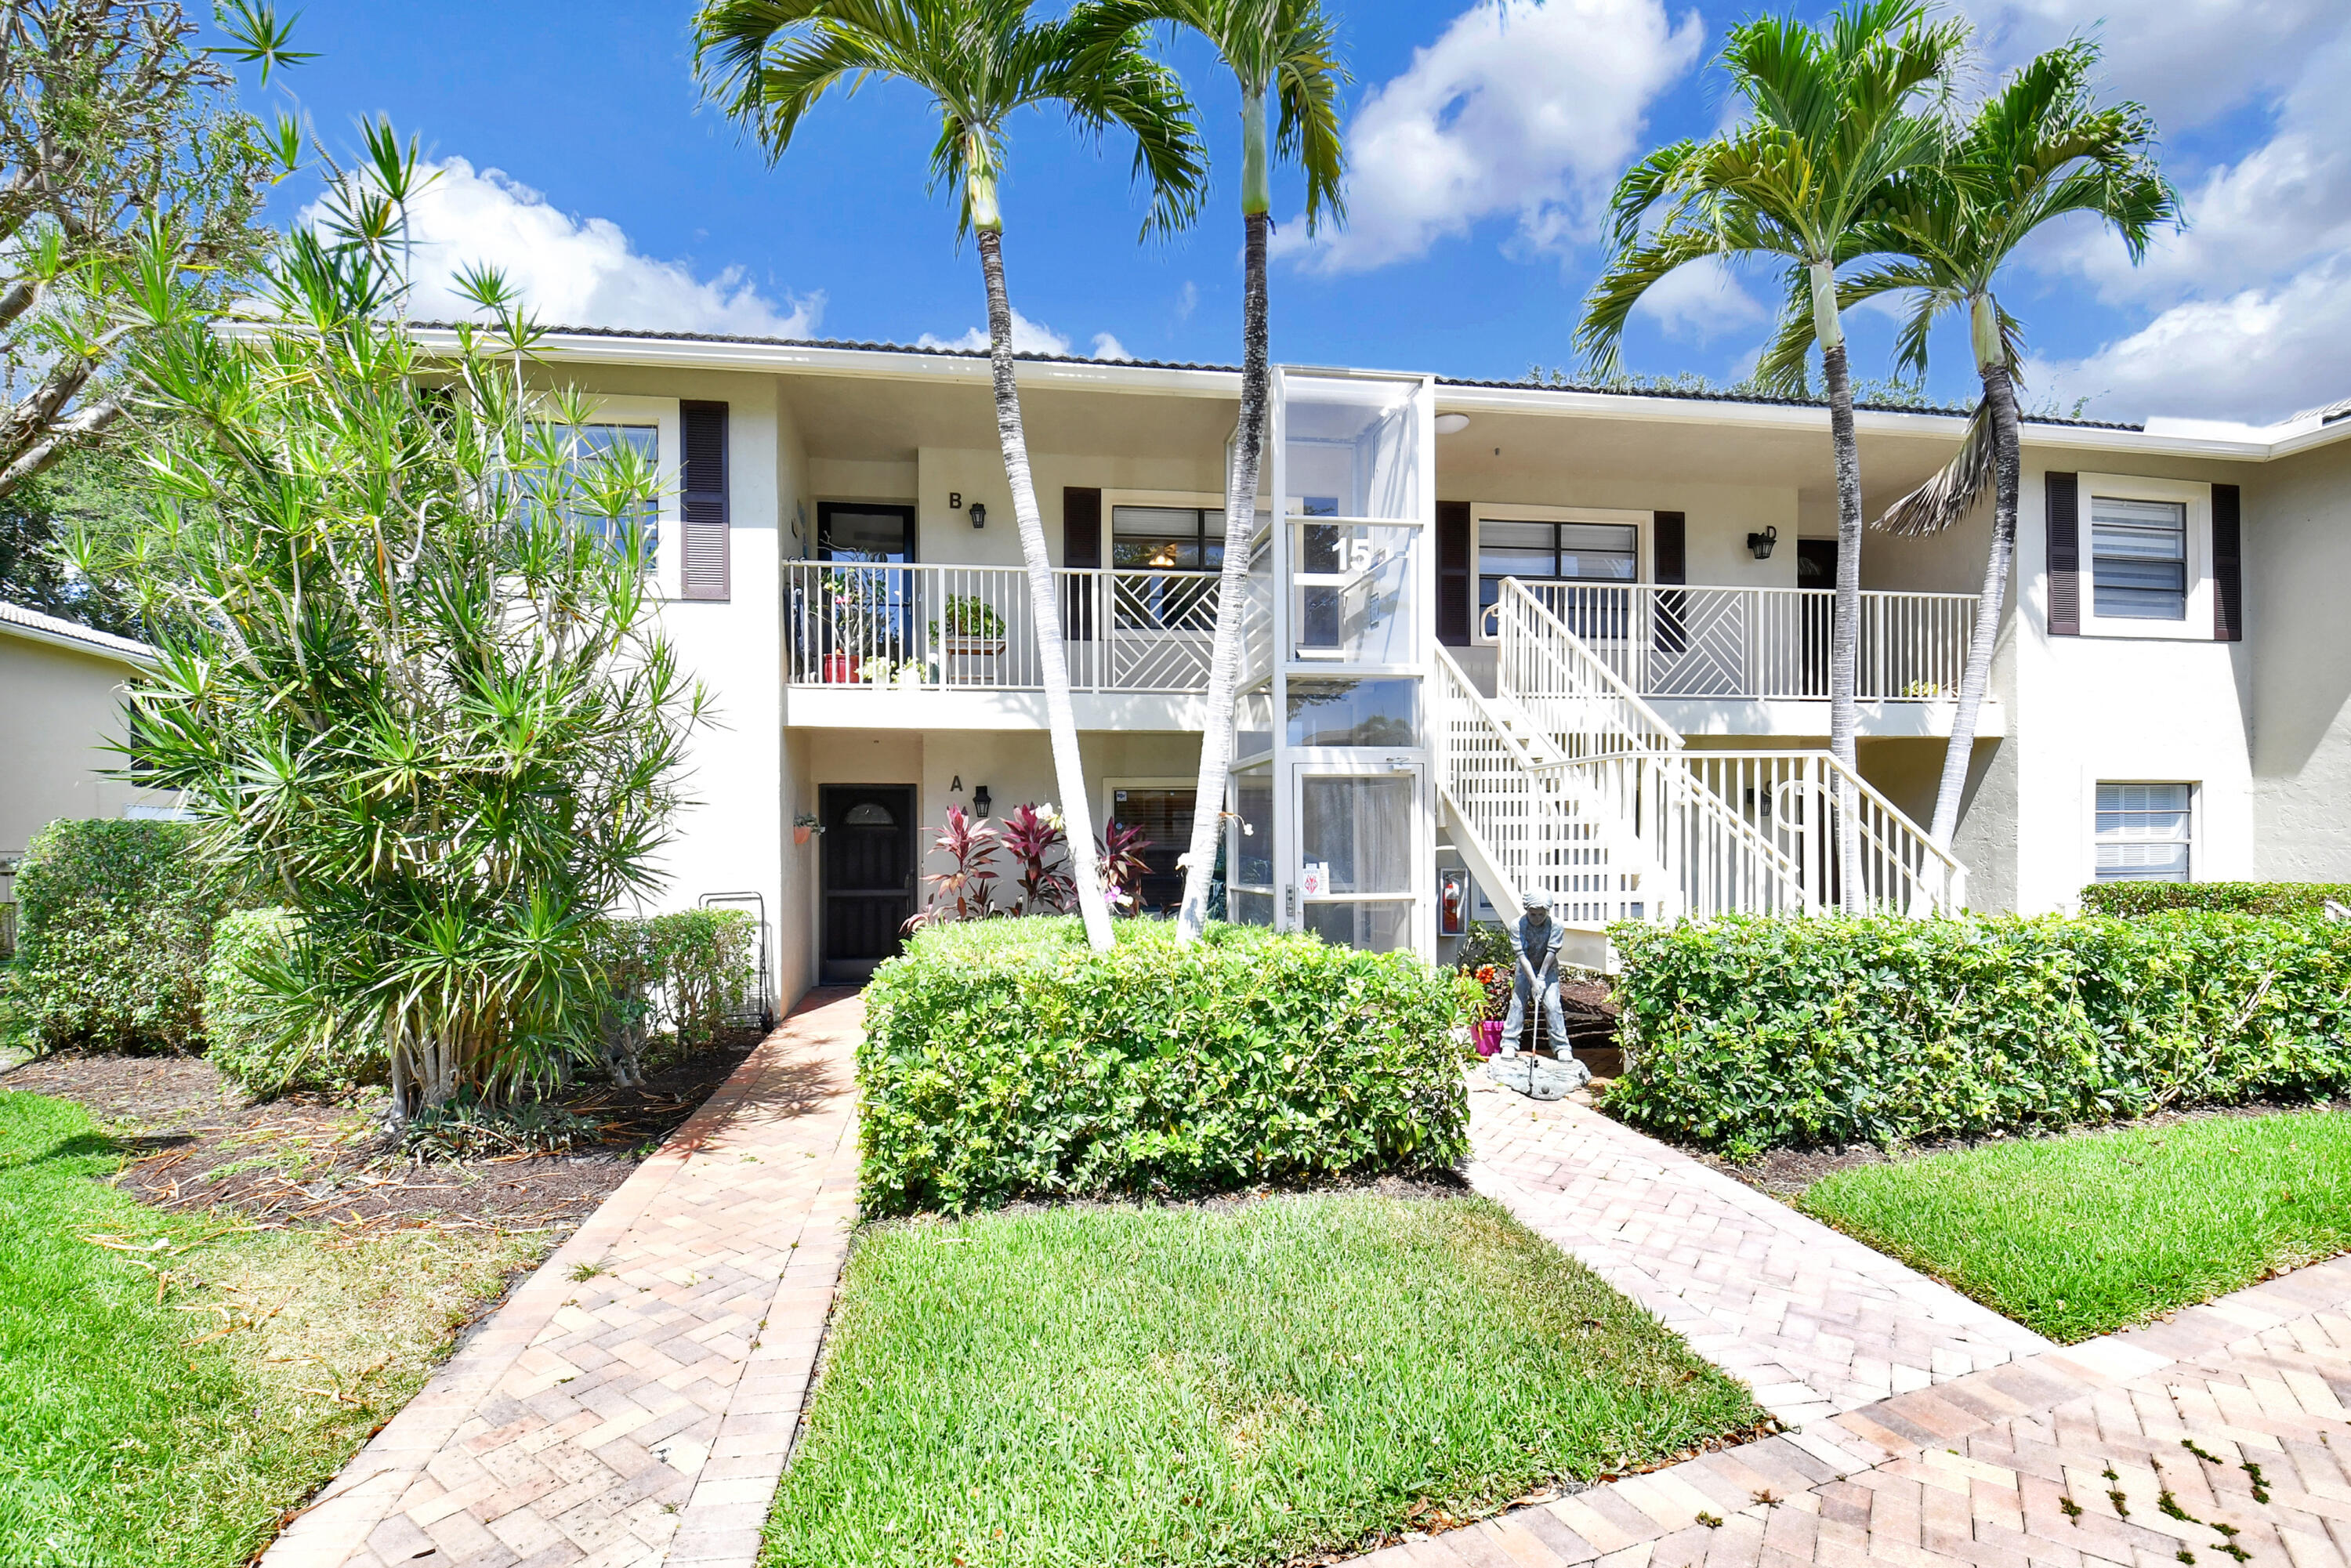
(1567, 779)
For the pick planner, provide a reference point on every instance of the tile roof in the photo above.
(53, 629)
(870, 347)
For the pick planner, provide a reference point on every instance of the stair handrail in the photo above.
(1578, 665)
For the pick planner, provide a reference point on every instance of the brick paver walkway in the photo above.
(2077, 1458)
(641, 1416)
(1812, 1320)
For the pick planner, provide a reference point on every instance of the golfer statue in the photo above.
(1536, 941)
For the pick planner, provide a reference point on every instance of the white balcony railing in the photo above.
(1741, 642)
(967, 627)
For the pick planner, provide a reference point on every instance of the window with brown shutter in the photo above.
(1082, 545)
(2064, 495)
(2228, 565)
(1670, 558)
(702, 504)
(1453, 573)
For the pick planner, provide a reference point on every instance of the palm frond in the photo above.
(1956, 489)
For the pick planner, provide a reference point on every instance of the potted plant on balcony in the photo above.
(973, 627)
(851, 600)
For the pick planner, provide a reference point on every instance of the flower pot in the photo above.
(1489, 1036)
(800, 834)
(910, 680)
(974, 647)
(841, 669)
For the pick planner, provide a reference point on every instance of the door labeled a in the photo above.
(868, 869)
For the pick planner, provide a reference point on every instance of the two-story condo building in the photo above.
(1498, 634)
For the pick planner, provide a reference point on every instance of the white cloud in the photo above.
(1522, 107)
(2258, 355)
(1187, 300)
(1109, 348)
(1699, 301)
(2248, 308)
(1027, 338)
(571, 272)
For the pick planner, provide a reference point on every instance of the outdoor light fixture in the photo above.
(979, 801)
(1452, 424)
(979, 519)
(1761, 543)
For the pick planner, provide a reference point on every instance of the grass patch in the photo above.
(1222, 1385)
(171, 1384)
(2083, 1234)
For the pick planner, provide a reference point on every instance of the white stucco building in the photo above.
(1501, 632)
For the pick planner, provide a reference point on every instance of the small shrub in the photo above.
(1005, 1058)
(251, 1037)
(679, 976)
(114, 926)
(1750, 1034)
(471, 1128)
(2276, 899)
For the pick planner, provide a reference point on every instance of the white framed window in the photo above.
(2146, 558)
(1589, 551)
(2145, 832)
(651, 425)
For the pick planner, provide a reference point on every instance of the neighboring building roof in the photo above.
(1688, 395)
(36, 627)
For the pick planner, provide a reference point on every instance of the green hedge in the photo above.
(1003, 1058)
(1750, 1034)
(114, 923)
(245, 1034)
(2287, 899)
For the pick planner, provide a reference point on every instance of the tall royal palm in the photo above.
(2039, 149)
(1835, 114)
(768, 62)
(1283, 51)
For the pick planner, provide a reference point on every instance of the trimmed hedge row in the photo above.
(114, 923)
(2304, 899)
(1003, 1058)
(1746, 1035)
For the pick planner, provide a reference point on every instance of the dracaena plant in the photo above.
(966, 889)
(410, 671)
(1122, 865)
(1037, 843)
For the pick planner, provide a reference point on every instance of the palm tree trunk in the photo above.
(1999, 391)
(1845, 627)
(1240, 527)
(1045, 608)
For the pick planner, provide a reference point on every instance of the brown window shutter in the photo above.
(1456, 587)
(1082, 545)
(2228, 565)
(1670, 558)
(702, 471)
(1669, 547)
(2064, 498)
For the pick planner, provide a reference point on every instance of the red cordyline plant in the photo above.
(966, 890)
(1121, 865)
(1036, 839)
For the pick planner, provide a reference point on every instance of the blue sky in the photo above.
(1484, 139)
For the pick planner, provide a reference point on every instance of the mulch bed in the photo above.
(312, 1159)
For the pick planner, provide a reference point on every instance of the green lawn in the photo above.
(168, 1413)
(2081, 1235)
(1219, 1384)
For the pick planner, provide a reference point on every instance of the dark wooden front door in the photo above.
(868, 860)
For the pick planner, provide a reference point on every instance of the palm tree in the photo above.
(2039, 149)
(1834, 116)
(1286, 51)
(768, 62)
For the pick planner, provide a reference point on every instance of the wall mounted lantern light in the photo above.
(979, 801)
(978, 516)
(1761, 544)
